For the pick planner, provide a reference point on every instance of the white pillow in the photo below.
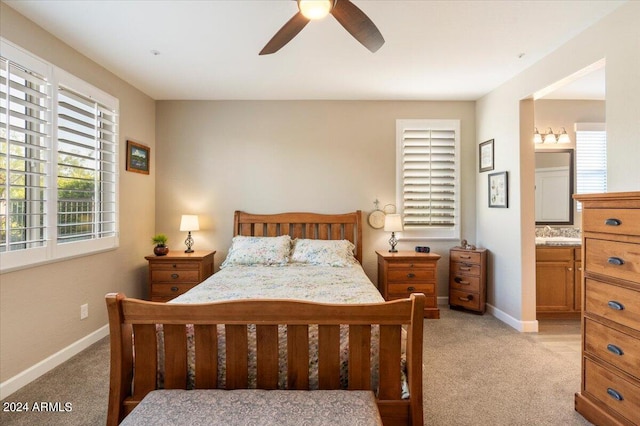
(323, 252)
(258, 251)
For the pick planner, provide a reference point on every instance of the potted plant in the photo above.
(160, 240)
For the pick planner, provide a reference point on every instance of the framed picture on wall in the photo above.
(138, 158)
(499, 190)
(486, 156)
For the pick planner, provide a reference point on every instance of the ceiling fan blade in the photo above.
(358, 24)
(285, 34)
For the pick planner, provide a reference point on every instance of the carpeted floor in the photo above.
(478, 371)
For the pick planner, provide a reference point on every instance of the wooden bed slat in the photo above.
(206, 347)
(336, 232)
(237, 356)
(329, 357)
(267, 356)
(298, 356)
(359, 357)
(175, 360)
(390, 354)
(285, 229)
(145, 347)
(323, 231)
(258, 229)
(246, 229)
(272, 229)
(310, 231)
(298, 231)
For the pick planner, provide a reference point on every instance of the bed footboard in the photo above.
(134, 348)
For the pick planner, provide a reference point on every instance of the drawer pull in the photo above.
(466, 299)
(174, 288)
(615, 305)
(615, 261)
(465, 257)
(465, 269)
(174, 265)
(410, 275)
(614, 349)
(615, 394)
(460, 281)
(613, 222)
(411, 288)
(175, 276)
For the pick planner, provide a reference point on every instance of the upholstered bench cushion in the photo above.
(256, 407)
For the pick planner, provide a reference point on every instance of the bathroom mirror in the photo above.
(554, 187)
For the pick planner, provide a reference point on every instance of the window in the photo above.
(591, 159)
(58, 163)
(427, 176)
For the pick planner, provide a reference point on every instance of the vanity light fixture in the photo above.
(189, 222)
(550, 137)
(393, 224)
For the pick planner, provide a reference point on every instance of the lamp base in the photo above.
(189, 243)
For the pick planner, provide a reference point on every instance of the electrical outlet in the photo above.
(84, 311)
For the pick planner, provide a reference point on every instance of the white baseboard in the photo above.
(27, 376)
(522, 326)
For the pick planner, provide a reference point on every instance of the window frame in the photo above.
(601, 149)
(429, 232)
(53, 250)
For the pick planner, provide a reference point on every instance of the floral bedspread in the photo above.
(323, 284)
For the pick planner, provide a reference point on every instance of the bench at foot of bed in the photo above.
(256, 407)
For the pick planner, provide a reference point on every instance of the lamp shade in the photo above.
(189, 222)
(393, 223)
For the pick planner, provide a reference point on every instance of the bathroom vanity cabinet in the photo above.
(558, 290)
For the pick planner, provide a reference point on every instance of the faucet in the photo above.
(547, 231)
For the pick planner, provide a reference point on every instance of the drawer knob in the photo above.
(174, 288)
(411, 288)
(613, 222)
(615, 305)
(175, 276)
(174, 265)
(614, 394)
(614, 349)
(466, 299)
(615, 261)
(410, 275)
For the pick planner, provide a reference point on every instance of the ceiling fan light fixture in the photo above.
(315, 9)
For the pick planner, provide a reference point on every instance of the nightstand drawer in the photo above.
(618, 304)
(464, 299)
(174, 266)
(464, 256)
(458, 268)
(164, 290)
(618, 394)
(465, 283)
(175, 276)
(407, 289)
(406, 275)
(613, 258)
(618, 349)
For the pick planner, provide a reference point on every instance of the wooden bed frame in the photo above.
(134, 366)
(316, 226)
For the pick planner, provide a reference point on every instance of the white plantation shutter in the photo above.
(427, 175)
(591, 159)
(58, 163)
(24, 156)
(86, 168)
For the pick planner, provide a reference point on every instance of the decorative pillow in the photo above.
(323, 252)
(258, 251)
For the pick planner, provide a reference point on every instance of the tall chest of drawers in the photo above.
(610, 391)
(468, 279)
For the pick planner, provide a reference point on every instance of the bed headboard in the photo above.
(317, 226)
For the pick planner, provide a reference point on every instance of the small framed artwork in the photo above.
(499, 190)
(486, 156)
(138, 158)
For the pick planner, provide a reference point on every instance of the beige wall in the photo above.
(40, 306)
(509, 232)
(272, 156)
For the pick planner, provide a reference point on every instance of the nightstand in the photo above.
(406, 272)
(177, 272)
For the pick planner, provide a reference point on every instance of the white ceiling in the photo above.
(434, 50)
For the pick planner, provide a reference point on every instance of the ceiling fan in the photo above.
(346, 13)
